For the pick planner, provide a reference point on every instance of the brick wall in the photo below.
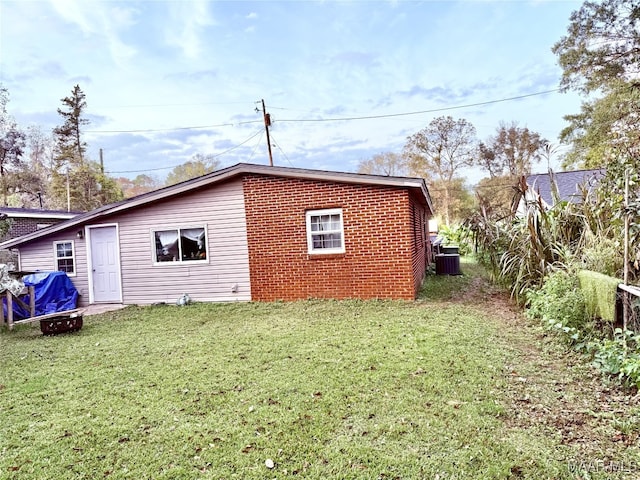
(421, 257)
(18, 227)
(378, 235)
(22, 226)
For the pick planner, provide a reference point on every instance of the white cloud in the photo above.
(188, 21)
(76, 13)
(102, 20)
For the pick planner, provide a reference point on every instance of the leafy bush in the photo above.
(599, 292)
(603, 255)
(559, 303)
(455, 235)
(619, 356)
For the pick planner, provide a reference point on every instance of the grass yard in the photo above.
(455, 385)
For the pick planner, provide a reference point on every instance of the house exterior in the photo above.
(23, 221)
(540, 187)
(246, 232)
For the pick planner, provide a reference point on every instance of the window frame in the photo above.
(56, 258)
(311, 250)
(180, 261)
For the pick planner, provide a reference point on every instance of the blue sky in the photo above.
(152, 71)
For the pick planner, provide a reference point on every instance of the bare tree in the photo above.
(387, 163)
(511, 151)
(438, 153)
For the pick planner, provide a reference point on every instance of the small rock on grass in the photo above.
(269, 463)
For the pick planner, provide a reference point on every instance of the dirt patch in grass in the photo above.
(556, 392)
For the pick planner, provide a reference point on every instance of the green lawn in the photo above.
(439, 388)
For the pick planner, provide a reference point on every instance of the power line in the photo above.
(151, 130)
(337, 119)
(256, 147)
(281, 151)
(389, 115)
(214, 156)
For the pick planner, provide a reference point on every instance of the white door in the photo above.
(105, 264)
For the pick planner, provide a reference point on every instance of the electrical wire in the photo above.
(198, 127)
(213, 156)
(434, 110)
(337, 119)
(257, 144)
(281, 151)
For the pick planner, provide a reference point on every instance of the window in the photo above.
(64, 253)
(324, 231)
(180, 245)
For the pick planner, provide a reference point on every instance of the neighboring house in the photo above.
(246, 232)
(539, 186)
(23, 221)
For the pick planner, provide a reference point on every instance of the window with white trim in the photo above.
(325, 233)
(65, 256)
(180, 245)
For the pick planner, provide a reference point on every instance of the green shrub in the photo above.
(559, 303)
(456, 235)
(603, 255)
(599, 293)
(619, 356)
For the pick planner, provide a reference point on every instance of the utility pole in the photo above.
(267, 124)
(68, 192)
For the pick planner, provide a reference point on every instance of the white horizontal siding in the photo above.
(219, 208)
(39, 256)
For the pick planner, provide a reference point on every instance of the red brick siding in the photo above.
(420, 242)
(377, 263)
(23, 226)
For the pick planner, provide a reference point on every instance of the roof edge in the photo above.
(222, 175)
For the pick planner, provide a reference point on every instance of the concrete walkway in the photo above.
(101, 308)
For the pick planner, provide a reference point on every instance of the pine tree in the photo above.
(77, 183)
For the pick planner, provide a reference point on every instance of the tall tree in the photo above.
(33, 177)
(387, 163)
(602, 45)
(91, 188)
(511, 151)
(496, 194)
(438, 152)
(460, 201)
(70, 148)
(139, 185)
(12, 146)
(602, 124)
(77, 183)
(200, 164)
(601, 55)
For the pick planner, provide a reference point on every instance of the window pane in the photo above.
(192, 244)
(324, 223)
(327, 240)
(65, 265)
(167, 246)
(64, 250)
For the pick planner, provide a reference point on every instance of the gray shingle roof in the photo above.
(567, 182)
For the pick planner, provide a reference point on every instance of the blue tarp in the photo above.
(53, 291)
